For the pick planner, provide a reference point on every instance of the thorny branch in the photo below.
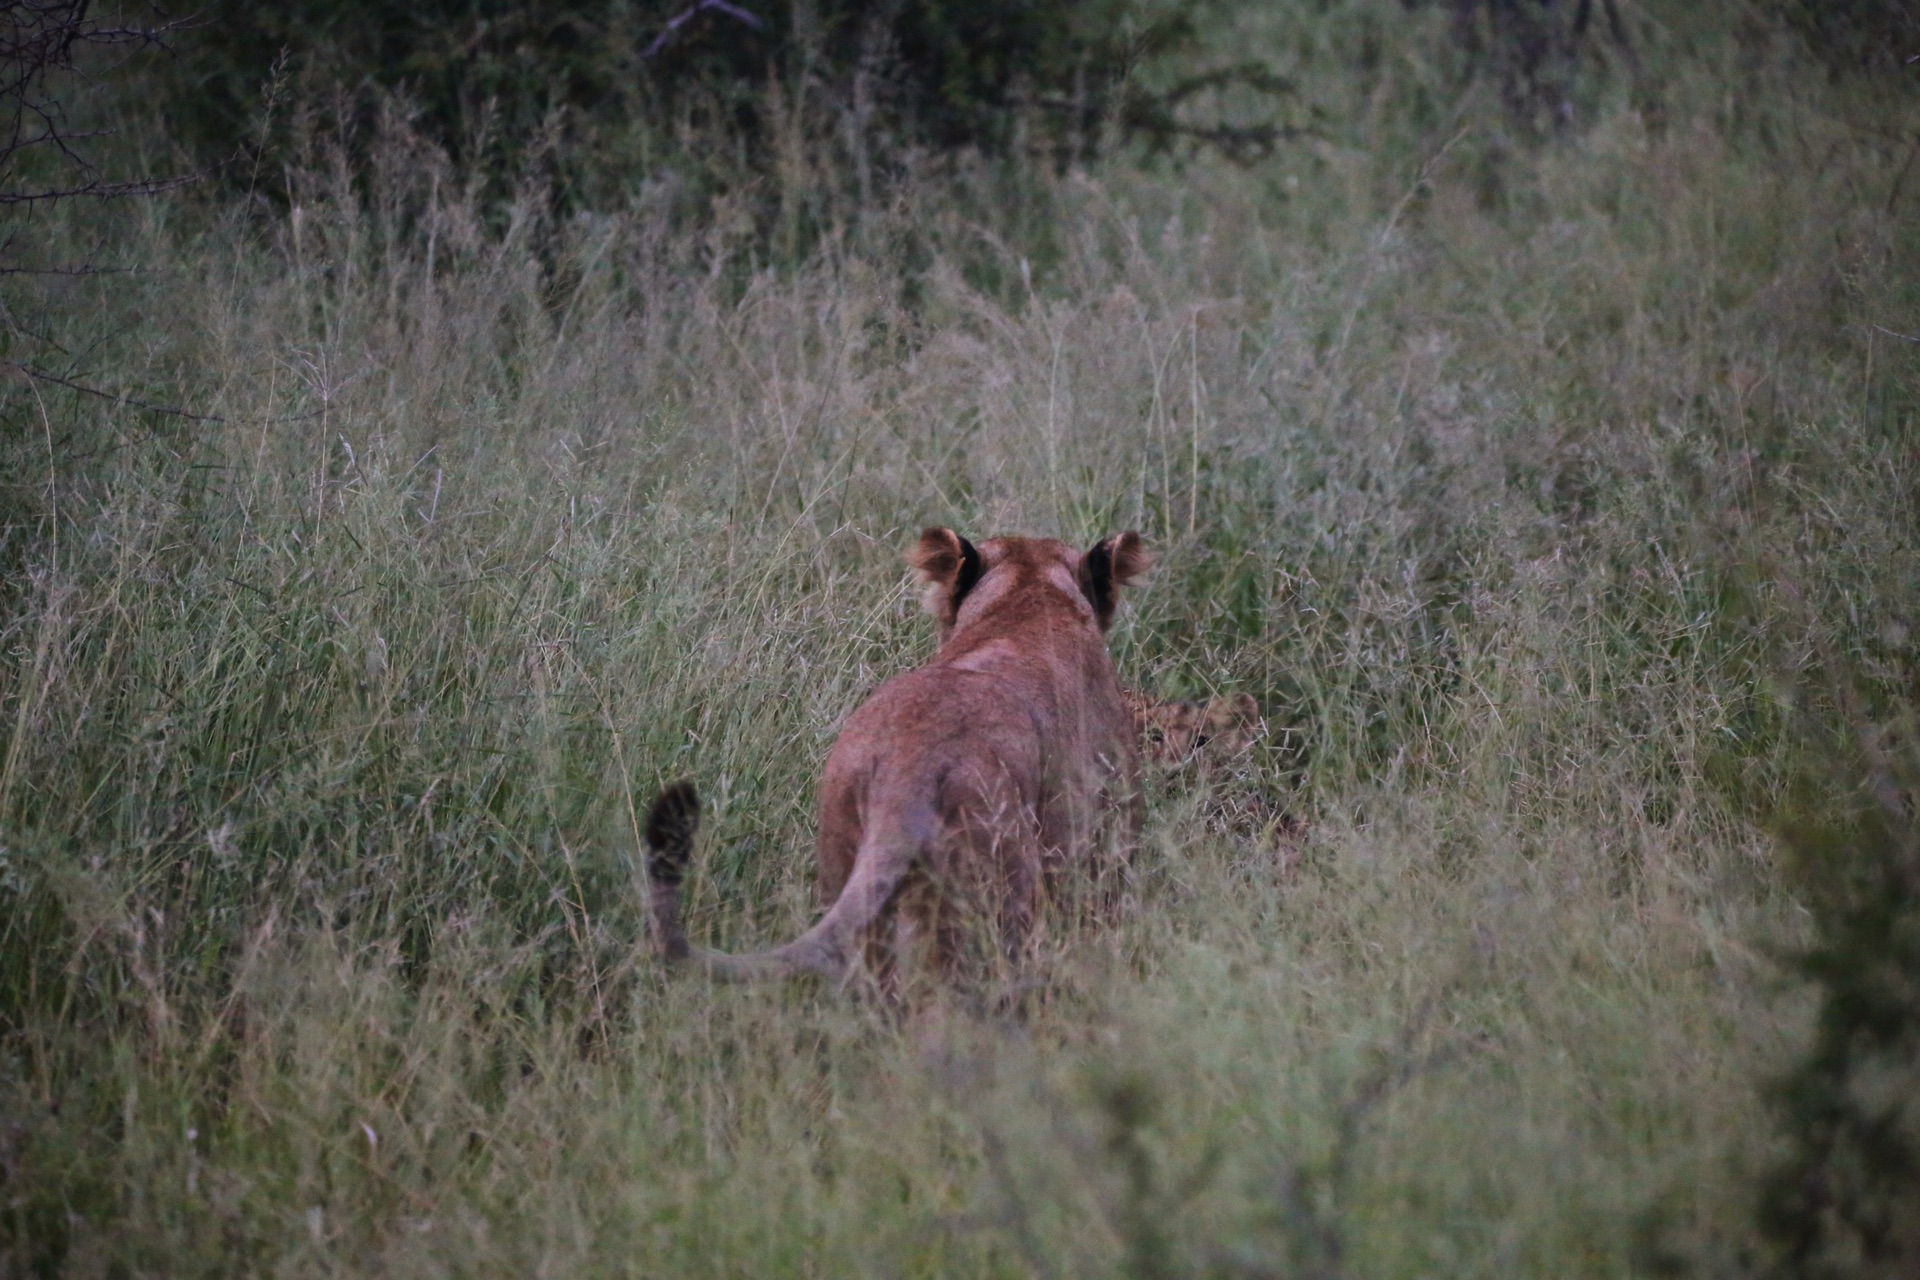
(40, 44)
(41, 375)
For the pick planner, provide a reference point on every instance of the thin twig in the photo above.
(82, 269)
(681, 19)
(1321, 1227)
(41, 375)
(1014, 1206)
(102, 190)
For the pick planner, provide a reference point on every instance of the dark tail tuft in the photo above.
(671, 822)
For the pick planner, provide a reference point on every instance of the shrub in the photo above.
(1841, 1202)
(627, 80)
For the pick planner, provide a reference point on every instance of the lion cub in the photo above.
(1215, 740)
(961, 792)
(1173, 733)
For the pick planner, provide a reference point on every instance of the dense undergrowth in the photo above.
(1542, 493)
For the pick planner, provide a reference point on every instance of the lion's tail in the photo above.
(826, 949)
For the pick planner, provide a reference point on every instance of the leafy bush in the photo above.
(628, 81)
(1877, 35)
(1841, 1204)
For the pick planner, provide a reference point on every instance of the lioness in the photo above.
(961, 790)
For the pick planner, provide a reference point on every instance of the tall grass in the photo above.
(414, 538)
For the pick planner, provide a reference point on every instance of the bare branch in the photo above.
(40, 43)
(54, 379)
(78, 269)
(102, 190)
(681, 19)
(41, 375)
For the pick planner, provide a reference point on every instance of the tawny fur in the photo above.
(1173, 733)
(964, 793)
(1213, 743)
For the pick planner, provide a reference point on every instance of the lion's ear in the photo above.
(949, 566)
(1111, 564)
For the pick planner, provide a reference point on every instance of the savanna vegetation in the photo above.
(1521, 402)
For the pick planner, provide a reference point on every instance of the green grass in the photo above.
(1519, 484)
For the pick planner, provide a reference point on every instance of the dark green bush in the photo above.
(623, 80)
(1842, 1202)
(1880, 35)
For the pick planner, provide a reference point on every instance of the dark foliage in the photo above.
(1868, 35)
(1536, 50)
(1843, 1201)
(487, 77)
